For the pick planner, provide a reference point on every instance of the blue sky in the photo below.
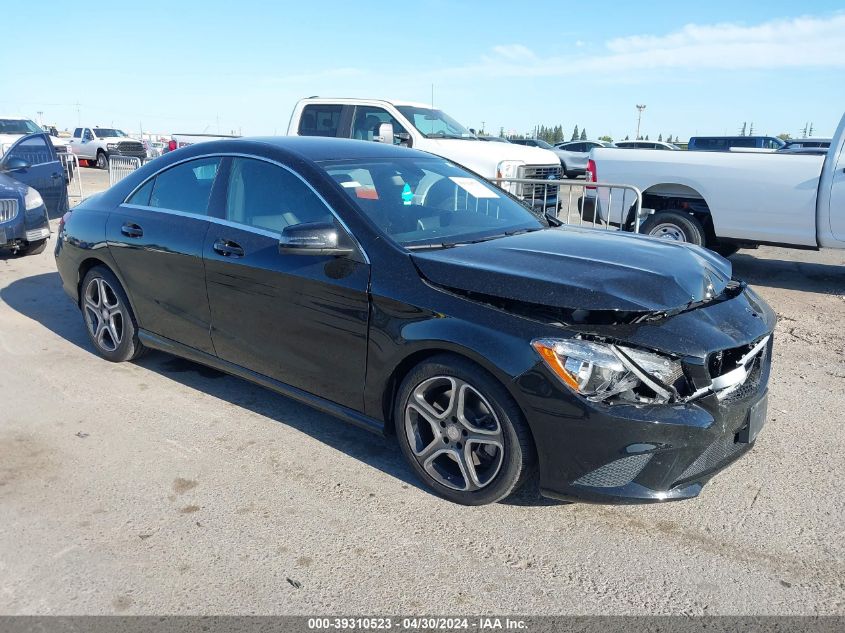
(193, 66)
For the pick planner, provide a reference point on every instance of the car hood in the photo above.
(578, 269)
(10, 188)
(483, 157)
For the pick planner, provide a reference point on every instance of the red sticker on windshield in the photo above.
(366, 193)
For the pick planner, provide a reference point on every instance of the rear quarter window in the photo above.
(320, 120)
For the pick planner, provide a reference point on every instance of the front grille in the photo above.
(751, 384)
(8, 210)
(131, 148)
(539, 172)
(758, 375)
(617, 473)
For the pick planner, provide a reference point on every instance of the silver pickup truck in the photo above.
(97, 144)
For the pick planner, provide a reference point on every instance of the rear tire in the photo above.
(109, 320)
(102, 160)
(461, 432)
(674, 226)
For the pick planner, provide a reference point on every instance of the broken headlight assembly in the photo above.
(604, 372)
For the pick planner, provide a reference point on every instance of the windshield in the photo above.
(430, 202)
(18, 126)
(434, 123)
(106, 132)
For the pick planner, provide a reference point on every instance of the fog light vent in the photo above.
(617, 473)
(719, 451)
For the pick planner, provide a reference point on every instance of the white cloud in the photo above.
(798, 42)
(515, 52)
(802, 42)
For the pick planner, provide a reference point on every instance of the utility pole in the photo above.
(482, 126)
(640, 109)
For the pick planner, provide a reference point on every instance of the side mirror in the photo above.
(16, 163)
(404, 139)
(314, 238)
(385, 134)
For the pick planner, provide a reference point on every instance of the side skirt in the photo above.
(154, 341)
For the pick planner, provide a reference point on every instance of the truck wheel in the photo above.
(678, 227)
(102, 160)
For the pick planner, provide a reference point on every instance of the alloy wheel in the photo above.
(103, 314)
(454, 433)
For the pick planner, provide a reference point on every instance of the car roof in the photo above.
(313, 148)
(356, 100)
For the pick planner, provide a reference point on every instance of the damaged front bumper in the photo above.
(638, 453)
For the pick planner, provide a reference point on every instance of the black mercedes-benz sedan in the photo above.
(405, 294)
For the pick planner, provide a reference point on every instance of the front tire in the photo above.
(461, 432)
(109, 320)
(674, 226)
(102, 160)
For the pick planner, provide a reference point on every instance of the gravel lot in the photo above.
(165, 487)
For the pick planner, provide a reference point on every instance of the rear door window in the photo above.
(320, 120)
(185, 187)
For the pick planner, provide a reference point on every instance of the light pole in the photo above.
(640, 109)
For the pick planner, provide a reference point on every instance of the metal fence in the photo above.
(70, 163)
(122, 166)
(596, 204)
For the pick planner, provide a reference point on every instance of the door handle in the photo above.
(228, 248)
(131, 230)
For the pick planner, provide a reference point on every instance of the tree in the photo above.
(742, 131)
(784, 136)
(584, 134)
(660, 137)
(575, 134)
(646, 137)
(607, 138)
(502, 132)
(626, 137)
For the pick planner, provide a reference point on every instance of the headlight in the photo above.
(32, 200)
(111, 146)
(508, 169)
(601, 371)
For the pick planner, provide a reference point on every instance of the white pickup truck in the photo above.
(98, 144)
(727, 201)
(425, 128)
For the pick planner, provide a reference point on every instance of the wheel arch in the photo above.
(674, 196)
(420, 355)
(91, 262)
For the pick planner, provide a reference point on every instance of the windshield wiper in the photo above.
(432, 246)
(487, 238)
(449, 136)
